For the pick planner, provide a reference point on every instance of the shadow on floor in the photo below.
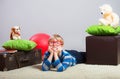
(39, 66)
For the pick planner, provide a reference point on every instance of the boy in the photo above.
(56, 56)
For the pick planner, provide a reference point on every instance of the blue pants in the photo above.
(80, 56)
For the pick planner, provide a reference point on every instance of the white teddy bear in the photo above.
(109, 17)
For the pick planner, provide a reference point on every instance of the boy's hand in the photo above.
(50, 49)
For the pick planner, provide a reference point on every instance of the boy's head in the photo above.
(56, 40)
(105, 9)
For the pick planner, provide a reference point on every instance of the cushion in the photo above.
(80, 56)
(101, 30)
(118, 29)
(19, 44)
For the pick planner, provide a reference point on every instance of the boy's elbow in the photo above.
(44, 69)
(61, 69)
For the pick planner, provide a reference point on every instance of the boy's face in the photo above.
(55, 45)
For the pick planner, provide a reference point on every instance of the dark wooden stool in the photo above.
(103, 50)
(13, 59)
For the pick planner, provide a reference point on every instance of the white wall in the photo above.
(69, 18)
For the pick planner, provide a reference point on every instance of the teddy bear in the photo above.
(15, 33)
(109, 18)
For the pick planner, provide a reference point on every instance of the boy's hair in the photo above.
(57, 37)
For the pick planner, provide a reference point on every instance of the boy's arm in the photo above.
(68, 60)
(47, 62)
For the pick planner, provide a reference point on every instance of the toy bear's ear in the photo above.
(12, 29)
(108, 6)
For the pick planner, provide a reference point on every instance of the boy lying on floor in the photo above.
(56, 56)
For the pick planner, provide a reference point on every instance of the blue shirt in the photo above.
(65, 60)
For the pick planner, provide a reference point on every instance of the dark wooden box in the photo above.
(104, 50)
(7, 61)
(27, 58)
(10, 60)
